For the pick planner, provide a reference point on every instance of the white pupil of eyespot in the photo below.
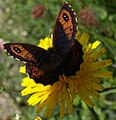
(65, 16)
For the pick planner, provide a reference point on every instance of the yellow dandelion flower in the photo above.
(85, 83)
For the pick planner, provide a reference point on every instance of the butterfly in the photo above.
(65, 57)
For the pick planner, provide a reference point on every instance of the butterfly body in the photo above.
(65, 57)
(51, 62)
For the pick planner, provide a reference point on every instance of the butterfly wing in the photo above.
(73, 59)
(25, 52)
(63, 40)
(41, 76)
(38, 64)
(64, 30)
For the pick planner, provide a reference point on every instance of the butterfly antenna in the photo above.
(50, 31)
(49, 36)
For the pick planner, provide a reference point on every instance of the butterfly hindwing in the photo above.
(64, 30)
(41, 76)
(73, 59)
(25, 52)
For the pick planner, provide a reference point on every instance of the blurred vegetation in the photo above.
(17, 24)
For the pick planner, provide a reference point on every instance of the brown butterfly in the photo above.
(65, 57)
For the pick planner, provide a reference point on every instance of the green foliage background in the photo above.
(17, 25)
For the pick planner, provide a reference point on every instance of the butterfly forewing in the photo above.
(25, 52)
(64, 30)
